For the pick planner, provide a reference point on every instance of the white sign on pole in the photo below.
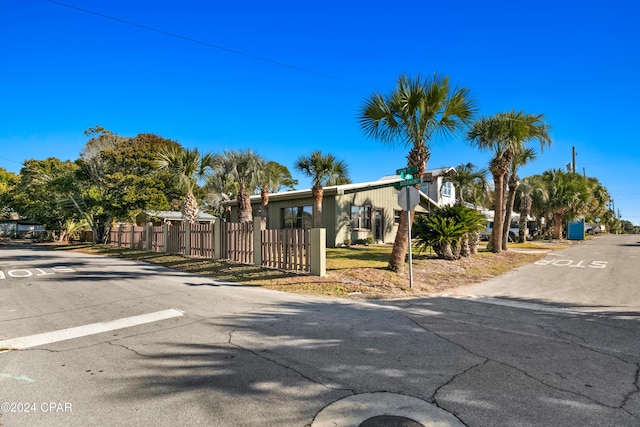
(408, 198)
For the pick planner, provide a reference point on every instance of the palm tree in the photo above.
(273, 177)
(505, 134)
(530, 196)
(598, 201)
(220, 189)
(240, 170)
(414, 113)
(471, 184)
(187, 167)
(323, 170)
(568, 197)
(449, 231)
(521, 158)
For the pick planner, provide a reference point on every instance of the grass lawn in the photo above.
(358, 272)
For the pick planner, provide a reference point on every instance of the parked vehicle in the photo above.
(514, 230)
(593, 228)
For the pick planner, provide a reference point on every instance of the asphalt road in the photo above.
(597, 275)
(101, 341)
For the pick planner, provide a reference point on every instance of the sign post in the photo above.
(409, 199)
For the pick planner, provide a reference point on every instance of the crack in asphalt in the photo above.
(603, 351)
(128, 348)
(289, 368)
(625, 400)
(559, 332)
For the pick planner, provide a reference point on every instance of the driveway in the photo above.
(102, 341)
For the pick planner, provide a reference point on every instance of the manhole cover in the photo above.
(390, 421)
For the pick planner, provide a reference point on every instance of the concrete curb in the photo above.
(352, 411)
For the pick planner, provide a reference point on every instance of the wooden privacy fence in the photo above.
(298, 250)
(287, 249)
(237, 241)
(133, 237)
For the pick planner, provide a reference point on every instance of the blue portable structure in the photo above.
(575, 230)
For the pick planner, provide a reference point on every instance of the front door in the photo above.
(378, 225)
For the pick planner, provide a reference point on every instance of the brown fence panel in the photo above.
(202, 240)
(237, 241)
(86, 236)
(175, 238)
(125, 237)
(286, 249)
(139, 237)
(113, 236)
(157, 239)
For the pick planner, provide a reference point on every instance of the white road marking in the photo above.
(83, 331)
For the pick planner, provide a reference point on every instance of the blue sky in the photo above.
(289, 77)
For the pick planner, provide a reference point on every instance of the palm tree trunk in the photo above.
(557, 225)
(514, 183)
(447, 251)
(525, 210)
(264, 195)
(400, 244)
(317, 193)
(190, 208)
(495, 244)
(474, 242)
(245, 213)
(465, 248)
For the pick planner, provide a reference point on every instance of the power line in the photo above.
(189, 39)
(10, 160)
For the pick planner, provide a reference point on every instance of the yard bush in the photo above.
(452, 231)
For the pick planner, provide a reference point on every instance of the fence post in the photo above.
(217, 239)
(187, 238)
(133, 237)
(257, 243)
(147, 231)
(119, 236)
(165, 237)
(318, 252)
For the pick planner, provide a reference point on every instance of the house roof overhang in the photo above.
(177, 216)
(335, 190)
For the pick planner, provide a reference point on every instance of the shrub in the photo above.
(451, 231)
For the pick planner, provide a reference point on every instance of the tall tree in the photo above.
(187, 167)
(504, 134)
(238, 170)
(273, 177)
(530, 197)
(43, 192)
(118, 178)
(414, 113)
(471, 184)
(568, 197)
(8, 180)
(521, 157)
(124, 173)
(324, 170)
(599, 200)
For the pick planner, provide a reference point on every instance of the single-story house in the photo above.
(352, 212)
(160, 217)
(20, 229)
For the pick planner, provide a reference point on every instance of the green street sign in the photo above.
(406, 183)
(407, 171)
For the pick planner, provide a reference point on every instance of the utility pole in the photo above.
(573, 159)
